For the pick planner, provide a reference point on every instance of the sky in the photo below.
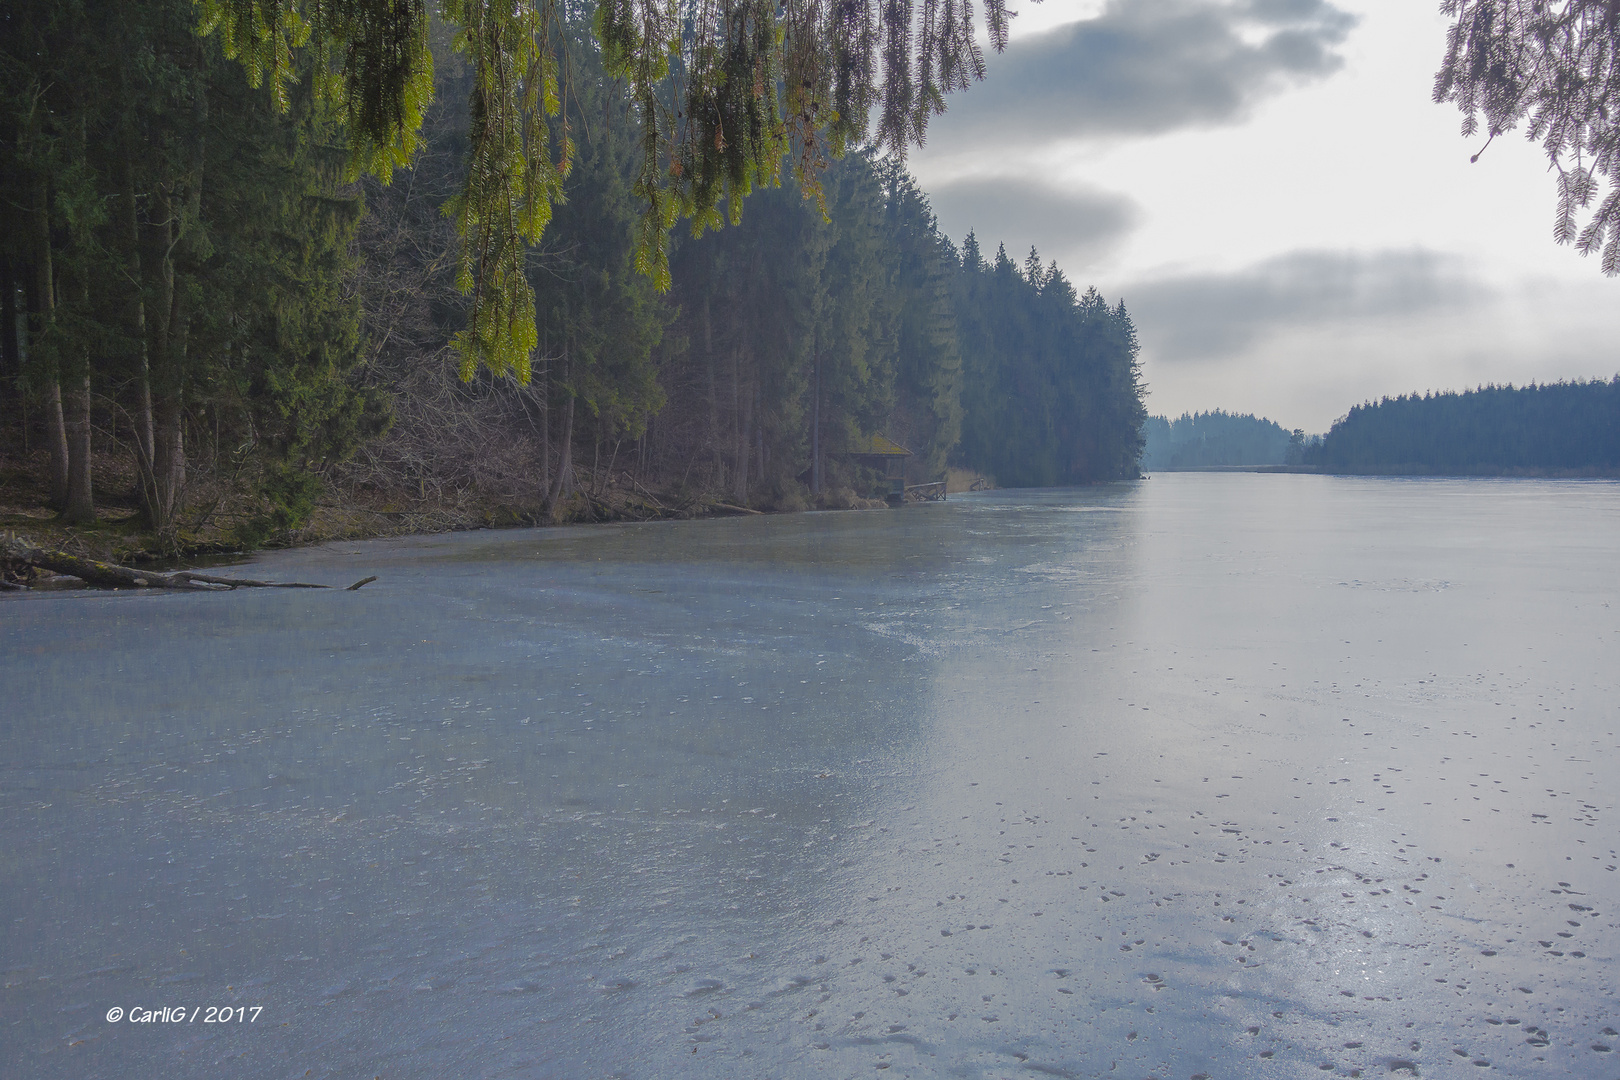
(1293, 223)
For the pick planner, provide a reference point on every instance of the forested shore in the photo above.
(1562, 429)
(215, 338)
(1216, 440)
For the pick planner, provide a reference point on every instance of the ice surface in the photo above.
(1214, 774)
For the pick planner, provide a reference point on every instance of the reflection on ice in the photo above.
(1239, 770)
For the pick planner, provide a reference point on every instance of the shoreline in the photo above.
(351, 510)
(115, 538)
(104, 541)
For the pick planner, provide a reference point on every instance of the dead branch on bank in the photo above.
(95, 572)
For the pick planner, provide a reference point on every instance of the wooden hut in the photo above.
(888, 458)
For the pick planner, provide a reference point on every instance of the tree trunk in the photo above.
(168, 462)
(760, 455)
(171, 335)
(596, 460)
(165, 346)
(718, 480)
(79, 508)
(137, 317)
(131, 228)
(743, 399)
(545, 430)
(56, 440)
(565, 460)
(45, 315)
(815, 424)
(10, 353)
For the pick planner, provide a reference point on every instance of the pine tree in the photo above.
(1052, 390)
(276, 337)
(927, 418)
(189, 248)
(47, 70)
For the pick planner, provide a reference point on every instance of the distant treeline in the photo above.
(1562, 427)
(193, 289)
(1213, 439)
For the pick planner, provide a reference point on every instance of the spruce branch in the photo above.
(751, 86)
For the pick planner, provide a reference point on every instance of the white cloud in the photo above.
(1213, 315)
(1081, 222)
(1144, 67)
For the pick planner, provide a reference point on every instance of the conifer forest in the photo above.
(219, 329)
(1215, 439)
(1562, 428)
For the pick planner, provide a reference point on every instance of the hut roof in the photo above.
(877, 446)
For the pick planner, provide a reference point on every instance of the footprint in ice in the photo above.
(699, 987)
(524, 987)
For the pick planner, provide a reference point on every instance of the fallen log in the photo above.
(734, 509)
(243, 583)
(96, 572)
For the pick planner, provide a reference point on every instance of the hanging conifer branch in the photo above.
(725, 92)
(512, 180)
(376, 64)
(1555, 65)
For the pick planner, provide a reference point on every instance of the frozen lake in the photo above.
(1236, 775)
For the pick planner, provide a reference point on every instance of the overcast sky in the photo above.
(1292, 222)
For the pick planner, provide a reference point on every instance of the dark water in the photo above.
(1273, 776)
